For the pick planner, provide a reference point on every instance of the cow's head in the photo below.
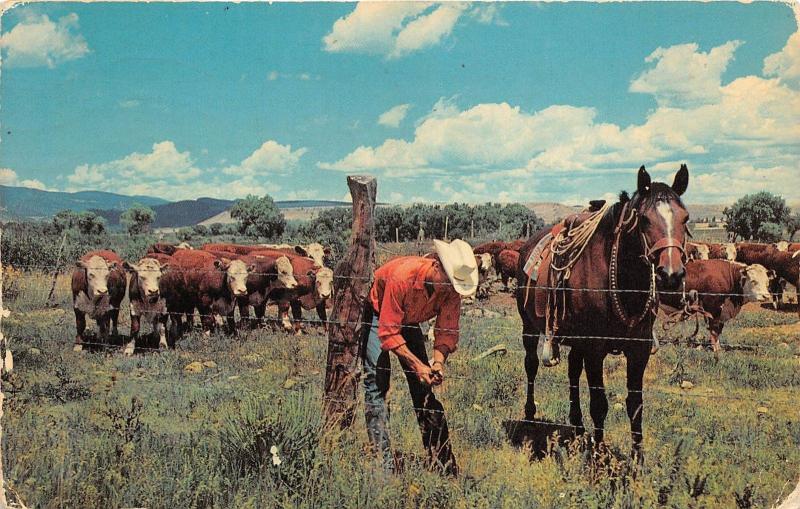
(184, 245)
(730, 251)
(97, 270)
(485, 262)
(323, 283)
(662, 219)
(148, 275)
(315, 251)
(701, 251)
(755, 283)
(285, 273)
(236, 272)
(782, 246)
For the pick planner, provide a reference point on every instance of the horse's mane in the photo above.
(659, 191)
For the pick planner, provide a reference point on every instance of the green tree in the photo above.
(259, 217)
(770, 232)
(65, 220)
(793, 225)
(748, 216)
(137, 219)
(90, 223)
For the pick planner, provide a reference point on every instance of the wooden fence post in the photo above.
(352, 282)
(446, 221)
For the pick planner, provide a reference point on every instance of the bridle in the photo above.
(627, 224)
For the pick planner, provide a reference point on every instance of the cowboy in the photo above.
(407, 291)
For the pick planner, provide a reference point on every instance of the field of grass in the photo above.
(102, 430)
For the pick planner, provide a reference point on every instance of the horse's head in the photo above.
(662, 225)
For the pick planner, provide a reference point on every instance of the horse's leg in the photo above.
(530, 340)
(598, 403)
(637, 358)
(574, 370)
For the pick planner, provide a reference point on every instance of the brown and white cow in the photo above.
(270, 271)
(785, 265)
(790, 247)
(722, 288)
(485, 265)
(199, 280)
(314, 288)
(726, 251)
(697, 251)
(167, 248)
(313, 250)
(508, 261)
(98, 287)
(144, 293)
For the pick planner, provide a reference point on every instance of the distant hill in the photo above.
(176, 214)
(23, 202)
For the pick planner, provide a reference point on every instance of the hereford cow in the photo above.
(316, 249)
(722, 288)
(98, 287)
(485, 264)
(725, 251)
(270, 271)
(697, 251)
(144, 293)
(790, 247)
(314, 288)
(508, 262)
(167, 248)
(199, 280)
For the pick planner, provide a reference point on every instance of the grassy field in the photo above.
(101, 430)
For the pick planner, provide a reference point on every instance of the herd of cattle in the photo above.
(171, 282)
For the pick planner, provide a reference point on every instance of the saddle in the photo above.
(550, 264)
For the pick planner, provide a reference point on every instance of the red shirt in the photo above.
(399, 297)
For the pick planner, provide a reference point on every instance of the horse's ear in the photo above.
(643, 183)
(681, 181)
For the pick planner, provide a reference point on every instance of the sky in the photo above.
(467, 102)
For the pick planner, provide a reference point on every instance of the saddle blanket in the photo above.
(533, 262)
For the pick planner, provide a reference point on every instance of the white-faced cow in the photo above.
(146, 301)
(98, 287)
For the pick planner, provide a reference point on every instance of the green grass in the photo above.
(102, 430)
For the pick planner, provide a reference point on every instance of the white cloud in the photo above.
(785, 64)
(169, 173)
(396, 29)
(303, 76)
(302, 194)
(683, 75)
(394, 116)
(129, 103)
(750, 122)
(38, 41)
(9, 177)
(273, 75)
(270, 157)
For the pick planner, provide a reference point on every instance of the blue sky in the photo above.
(443, 102)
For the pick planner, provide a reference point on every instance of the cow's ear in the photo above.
(112, 265)
(222, 263)
(251, 267)
(326, 250)
(130, 268)
(80, 264)
(164, 266)
(681, 181)
(300, 250)
(643, 181)
(772, 274)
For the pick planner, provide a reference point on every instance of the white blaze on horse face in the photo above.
(324, 283)
(665, 211)
(237, 278)
(285, 273)
(756, 283)
(148, 272)
(730, 252)
(97, 272)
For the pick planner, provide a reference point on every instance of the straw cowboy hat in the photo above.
(458, 262)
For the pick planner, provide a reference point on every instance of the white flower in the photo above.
(276, 460)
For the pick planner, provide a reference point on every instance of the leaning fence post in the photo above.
(352, 280)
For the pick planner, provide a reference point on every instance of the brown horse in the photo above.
(647, 232)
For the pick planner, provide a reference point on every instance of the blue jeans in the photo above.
(429, 412)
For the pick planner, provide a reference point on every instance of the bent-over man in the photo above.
(407, 291)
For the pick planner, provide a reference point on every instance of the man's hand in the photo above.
(437, 370)
(410, 361)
